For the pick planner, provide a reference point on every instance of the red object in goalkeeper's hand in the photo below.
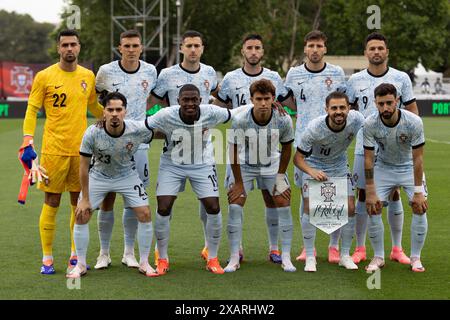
(23, 189)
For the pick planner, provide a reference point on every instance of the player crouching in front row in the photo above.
(324, 144)
(399, 137)
(113, 146)
(255, 156)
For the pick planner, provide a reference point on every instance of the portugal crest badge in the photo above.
(328, 82)
(144, 84)
(21, 78)
(84, 85)
(328, 190)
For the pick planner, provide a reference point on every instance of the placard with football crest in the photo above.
(328, 204)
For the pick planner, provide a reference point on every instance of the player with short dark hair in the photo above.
(188, 154)
(308, 85)
(360, 89)
(234, 92)
(399, 137)
(256, 135)
(189, 71)
(67, 91)
(135, 79)
(113, 146)
(322, 153)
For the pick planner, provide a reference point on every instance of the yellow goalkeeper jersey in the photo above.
(66, 96)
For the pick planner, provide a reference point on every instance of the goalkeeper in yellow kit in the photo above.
(66, 90)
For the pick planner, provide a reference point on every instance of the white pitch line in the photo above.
(438, 141)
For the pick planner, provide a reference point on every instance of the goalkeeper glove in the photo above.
(26, 151)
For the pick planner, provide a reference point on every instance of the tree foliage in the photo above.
(22, 39)
(415, 29)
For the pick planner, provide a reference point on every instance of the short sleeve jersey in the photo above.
(135, 86)
(113, 156)
(361, 87)
(235, 86)
(188, 143)
(65, 97)
(310, 90)
(395, 143)
(171, 79)
(326, 149)
(258, 143)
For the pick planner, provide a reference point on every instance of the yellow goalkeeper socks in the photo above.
(72, 223)
(47, 228)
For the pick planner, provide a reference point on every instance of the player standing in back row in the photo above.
(360, 88)
(135, 79)
(234, 91)
(189, 71)
(309, 85)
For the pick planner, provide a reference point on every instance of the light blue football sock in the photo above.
(376, 235)
(130, 225)
(105, 223)
(396, 218)
(419, 229)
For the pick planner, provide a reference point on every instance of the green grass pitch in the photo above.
(257, 279)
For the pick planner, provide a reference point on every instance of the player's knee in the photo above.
(213, 207)
(164, 210)
(269, 200)
(82, 219)
(280, 202)
(143, 215)
(52, 199)
(240, 201)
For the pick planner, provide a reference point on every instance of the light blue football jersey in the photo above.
(188, 143)
(395, 143)
(326, 149)
(361, 87)
(171, 79)
(113, 156)
(310, 90)
(235, 86)
(258, 143)
(135, 86)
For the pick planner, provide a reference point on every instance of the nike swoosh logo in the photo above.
(287, 230)
(239, 88)
(307, 238)
(57, 87)
(361, 90)
(419, 234)
(160, 239)
(232, 232)
(299, 83)
(115, 84)
(373, 237)
(180, 86)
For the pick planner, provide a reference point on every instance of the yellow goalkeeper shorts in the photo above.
(63, 173)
